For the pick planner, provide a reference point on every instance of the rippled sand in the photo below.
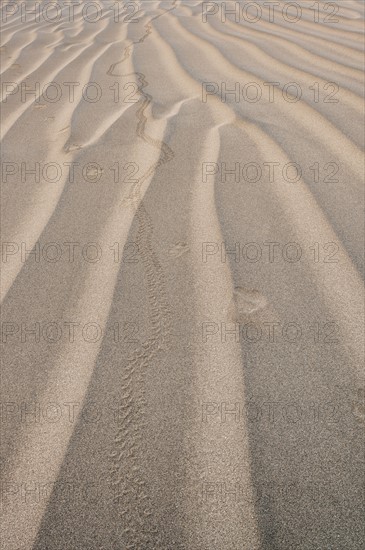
(182, 266)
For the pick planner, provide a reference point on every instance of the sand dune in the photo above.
(182, 275)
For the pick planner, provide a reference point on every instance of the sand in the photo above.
(182, 267)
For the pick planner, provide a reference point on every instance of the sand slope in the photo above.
(158, 390)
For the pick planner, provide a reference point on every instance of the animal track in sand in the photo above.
(138, 524)
(245, 302)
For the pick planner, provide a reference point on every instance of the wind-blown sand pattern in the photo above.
(193, 378)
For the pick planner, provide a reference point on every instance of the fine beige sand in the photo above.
(182, 297)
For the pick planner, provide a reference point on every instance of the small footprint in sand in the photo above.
(72, 147)
(244, 302)
(179, 249)
(94, 173)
